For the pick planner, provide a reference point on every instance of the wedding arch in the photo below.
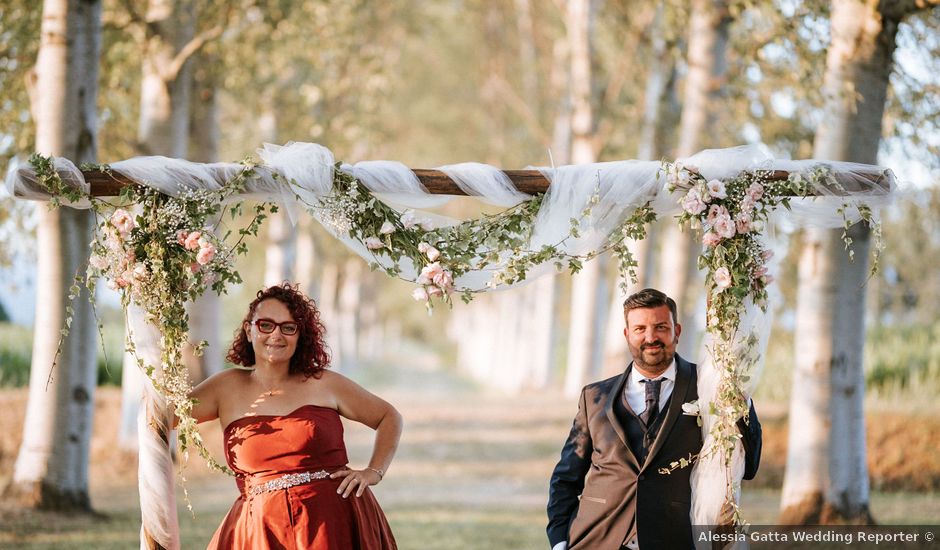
(157, 242)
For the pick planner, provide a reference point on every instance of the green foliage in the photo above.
(16, 356)
(19, 29)
(439, 255)
(902, 365)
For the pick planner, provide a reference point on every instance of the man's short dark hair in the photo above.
(650, 297)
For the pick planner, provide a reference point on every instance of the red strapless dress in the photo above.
(308, 515)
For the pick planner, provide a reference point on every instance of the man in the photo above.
(606, 492)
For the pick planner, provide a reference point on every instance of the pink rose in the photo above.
(755, 191)
(432, 253)
(194, 267)
(692, 203)
(205, 255)
(434, 291)
(373, 243)
(387, 228)
(181, 237)
(711, 239)
(760, 271)
(713, 212)
(192, 240)
(122, 221)
(444, 280)
(724, 227)
(747, 204)
(716, 188)
(430, 272)
(766, 255)
(722, 278)
(420, 294)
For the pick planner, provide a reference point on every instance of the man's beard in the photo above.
(660, 365)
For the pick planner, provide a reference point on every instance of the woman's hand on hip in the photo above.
(355, 480)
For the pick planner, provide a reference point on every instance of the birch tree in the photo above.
(588, 288)
(166, 34)
(709, 23)
(203, 145)
(51, 469)
(660, 80)
(827, 473)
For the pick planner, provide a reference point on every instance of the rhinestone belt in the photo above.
(288, 480)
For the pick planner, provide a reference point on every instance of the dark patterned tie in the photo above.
(652, 401)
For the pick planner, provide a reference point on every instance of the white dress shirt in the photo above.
(635, 388)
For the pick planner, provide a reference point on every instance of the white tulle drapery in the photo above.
(620, 187)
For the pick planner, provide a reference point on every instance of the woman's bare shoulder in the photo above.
(223, 380)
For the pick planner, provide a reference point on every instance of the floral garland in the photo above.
(499, 243)
(168, 253)
(732, 214)
(159, 258)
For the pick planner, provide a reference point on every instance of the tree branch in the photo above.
(187, 51)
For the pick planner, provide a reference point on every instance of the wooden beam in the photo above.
(438, 183)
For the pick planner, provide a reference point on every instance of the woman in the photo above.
(284, 438)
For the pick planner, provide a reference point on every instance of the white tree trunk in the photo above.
(305, 258)
(279, 250)
(51, 469)
(165, 85)
(329, 288)
(858, 65)
(589, 287)
(350, 294)
(165, 100)
(541, 330)
(616, 352)
(205, 313)
(708, 43)
(808, 443)
(163, 129)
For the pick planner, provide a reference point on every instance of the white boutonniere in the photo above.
(692, 409)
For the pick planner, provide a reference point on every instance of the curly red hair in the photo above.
(312, 355)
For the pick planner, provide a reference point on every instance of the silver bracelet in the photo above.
(378, 471)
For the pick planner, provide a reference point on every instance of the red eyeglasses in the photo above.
(267, 326)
